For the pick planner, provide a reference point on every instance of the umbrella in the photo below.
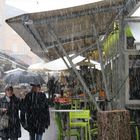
(18, 77)
(33, 78)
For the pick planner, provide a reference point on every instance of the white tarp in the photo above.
(37, 66)
(97, 64)
(58, 64)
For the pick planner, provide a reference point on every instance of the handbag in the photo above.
(4, 121)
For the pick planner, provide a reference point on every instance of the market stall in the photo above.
(95, 31)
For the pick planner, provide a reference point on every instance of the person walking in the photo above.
(35, 114)
(10, 105)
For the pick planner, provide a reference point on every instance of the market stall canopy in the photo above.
(37, 66)
(72, 27)
(56, 65)
(90, 63)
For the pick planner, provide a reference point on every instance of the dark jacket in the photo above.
(35, 109)
(14, 129)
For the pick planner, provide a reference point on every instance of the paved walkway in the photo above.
(50, 133)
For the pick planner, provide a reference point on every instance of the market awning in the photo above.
(72, 27)
(58, 64)
(76, 30)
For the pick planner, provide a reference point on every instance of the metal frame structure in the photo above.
(91, 11)
(73, 67)
(13, 60)
(58, 45)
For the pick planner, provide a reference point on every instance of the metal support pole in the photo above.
(91, 73)
(121, 63)
(130, 5)
(76, 14)
(132, 19)
(37, 37)
(84, 50)
(60, 55)
(57, 51)
(74, 68)
(102, 67)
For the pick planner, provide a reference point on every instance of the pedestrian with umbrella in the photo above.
(35, 113)
(10, 105)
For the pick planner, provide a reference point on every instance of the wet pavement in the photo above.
(50, 133)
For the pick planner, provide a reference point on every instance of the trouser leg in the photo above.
(31, 136)
(13, 138)
(4, 138)
(38, 136)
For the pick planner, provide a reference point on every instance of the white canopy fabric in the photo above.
(97, 64)
(58, 64)
(37, 66)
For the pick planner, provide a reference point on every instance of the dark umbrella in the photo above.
(33, 78)
(18, 77)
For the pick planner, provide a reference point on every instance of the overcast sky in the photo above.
(46, 5)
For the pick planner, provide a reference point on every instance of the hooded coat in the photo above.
(12, 105)
(35, 113)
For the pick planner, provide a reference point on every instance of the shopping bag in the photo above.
(4, 121)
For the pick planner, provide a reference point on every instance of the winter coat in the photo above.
(12, 106)
(35, 113)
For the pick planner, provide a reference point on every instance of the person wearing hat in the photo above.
(10, 105)
(35, 115)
